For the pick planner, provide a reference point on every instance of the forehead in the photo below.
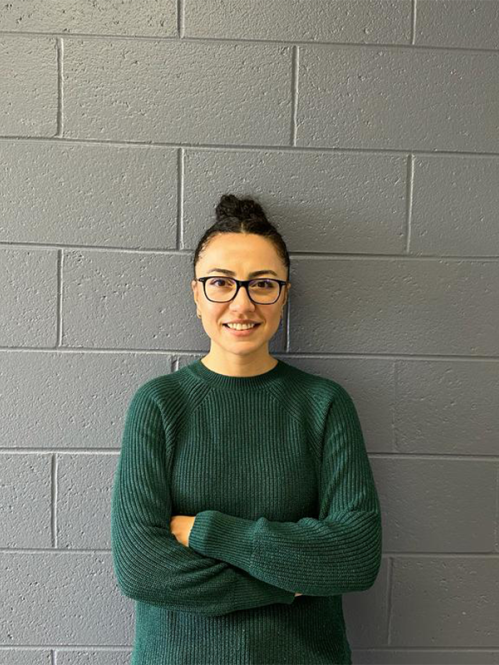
(241, 254)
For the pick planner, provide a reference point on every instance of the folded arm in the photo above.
(149, 563)
(337, 553)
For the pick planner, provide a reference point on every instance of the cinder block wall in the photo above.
(368, 129)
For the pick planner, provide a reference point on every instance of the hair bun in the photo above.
(230, 206)
(242, 216)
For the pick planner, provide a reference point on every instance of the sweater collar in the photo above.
(240, 383)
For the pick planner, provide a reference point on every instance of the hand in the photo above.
(298, 594)
(180, 526)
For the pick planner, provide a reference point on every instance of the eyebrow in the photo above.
(252, 274)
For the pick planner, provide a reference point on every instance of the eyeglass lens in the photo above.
(222, 289)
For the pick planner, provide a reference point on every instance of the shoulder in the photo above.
(314, 399)
(156, 391)
(172, 396)
(318, 387)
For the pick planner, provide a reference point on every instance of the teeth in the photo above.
(240, 326)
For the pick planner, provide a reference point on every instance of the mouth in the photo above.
(243, 332)
(255, 326)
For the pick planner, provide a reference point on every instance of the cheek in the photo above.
(272, 321)
(214, 317)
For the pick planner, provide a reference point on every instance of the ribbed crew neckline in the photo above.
(226, 382)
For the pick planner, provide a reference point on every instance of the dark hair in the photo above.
(242, 216)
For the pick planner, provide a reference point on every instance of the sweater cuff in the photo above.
(224, 537)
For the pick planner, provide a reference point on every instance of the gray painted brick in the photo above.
(84, 500)
(93, 657)
(105, 17)
(325, 203)
(25, 505)
(73, 657)
(437, 505)
(445, 602)
(395, 306)
(234, 93)
(367, 612)
(76, 400)
(425, 656)
(25, 657)
(124, 196)
(362, 21)
(447, 407)
(458, 23)
(28, 86)
(397, 98)
(115, 300)
(29, 297)
(460, 193)
(75, 595)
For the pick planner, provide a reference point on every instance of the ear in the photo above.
(194, 290)
(288, 286)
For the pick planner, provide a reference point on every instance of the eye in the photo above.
(264, 283)
(215, 281)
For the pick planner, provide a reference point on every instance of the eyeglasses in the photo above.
(261, 291)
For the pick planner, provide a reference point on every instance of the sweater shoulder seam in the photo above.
(158, 398)
(336, 389)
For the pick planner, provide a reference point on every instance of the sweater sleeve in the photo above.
(337, 553)
(149, 563)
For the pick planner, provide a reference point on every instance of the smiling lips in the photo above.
(241, 332)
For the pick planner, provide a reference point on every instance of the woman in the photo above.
(243, 503)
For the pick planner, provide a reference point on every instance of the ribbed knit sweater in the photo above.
(275, 470)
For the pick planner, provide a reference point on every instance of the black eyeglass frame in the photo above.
(245, 283)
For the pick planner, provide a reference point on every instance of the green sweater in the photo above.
(275, 469)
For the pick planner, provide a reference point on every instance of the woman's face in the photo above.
(242, 254)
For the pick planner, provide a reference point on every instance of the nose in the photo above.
(242, 300)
